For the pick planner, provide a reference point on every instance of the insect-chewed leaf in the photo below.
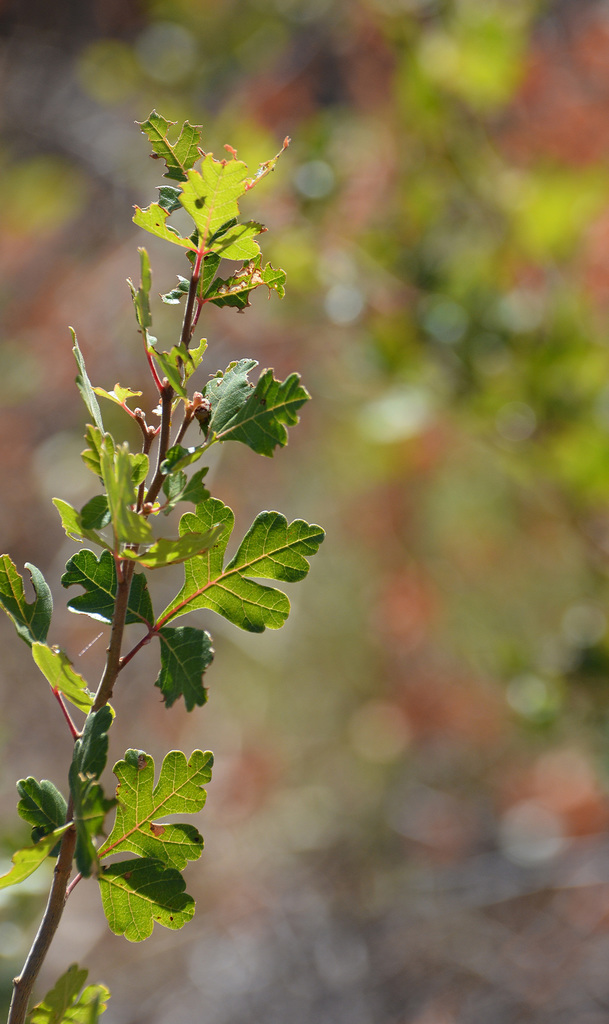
(31, 620)
(256, 416)
(235, 291)
(140, 803)
(57, 668)
(139, 892)
(28, 860)
(271, 549)
(180, 155)
(186, 653)
(66, 1004)
(98, 577)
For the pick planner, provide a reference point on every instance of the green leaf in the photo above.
(72, 522)
(271, 549)
(141, 301)
(41, 805)
(170, 552)
(169, 198)
(91, 750)
(28, 860)
(66, 1004)
(173, 297)
(139, 467)
(98, 577)
(154, 220)
(177, 487)
(31, 620)
(56, 667)
(255, 416)
(90, 804)
(235, 291)
(136, 893)
(177, 457)
(84, 385)
(178, 790)
(179, 364)
(117, 474)
(95, 515)
(179, 156)
(210, 197)
(186, 653)
(211, 262)
(92, 455)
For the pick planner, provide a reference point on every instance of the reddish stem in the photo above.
(66, 715)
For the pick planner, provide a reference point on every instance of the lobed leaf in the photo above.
(66, 1004)
(271, 549)
(180, 155)
(57, 668)
(177, 487)
(31, 620)
(170, 552)
(178, 790)
(98, 577)
(186, 653)
(256, 416)
(139, 892)
(210, 197)
(119, 394)
(92, 455)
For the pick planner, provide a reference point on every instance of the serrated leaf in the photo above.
(57, 668)
(31, 620)
(186, 653)
(139, 892)
(98, 577)
(178, 156)
(210, 197)
(154, 220)
(178, 790)
(84, 385)
(41, 805)
(71, 520)
(29, 859)
(66, 1004)
(271, 549)
(170, 552)
(117, 474)
(235, 291)
(256, 416)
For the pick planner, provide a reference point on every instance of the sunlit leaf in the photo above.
(180, 155)
(271, 549)
(57, 668)
(66, 1004)
(139, 892)
(28, 860)
(84, 385)
(179, 790)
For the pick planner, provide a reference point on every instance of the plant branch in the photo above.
(23, 985)
(166, 403)
(108, 679)
(188, 324)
